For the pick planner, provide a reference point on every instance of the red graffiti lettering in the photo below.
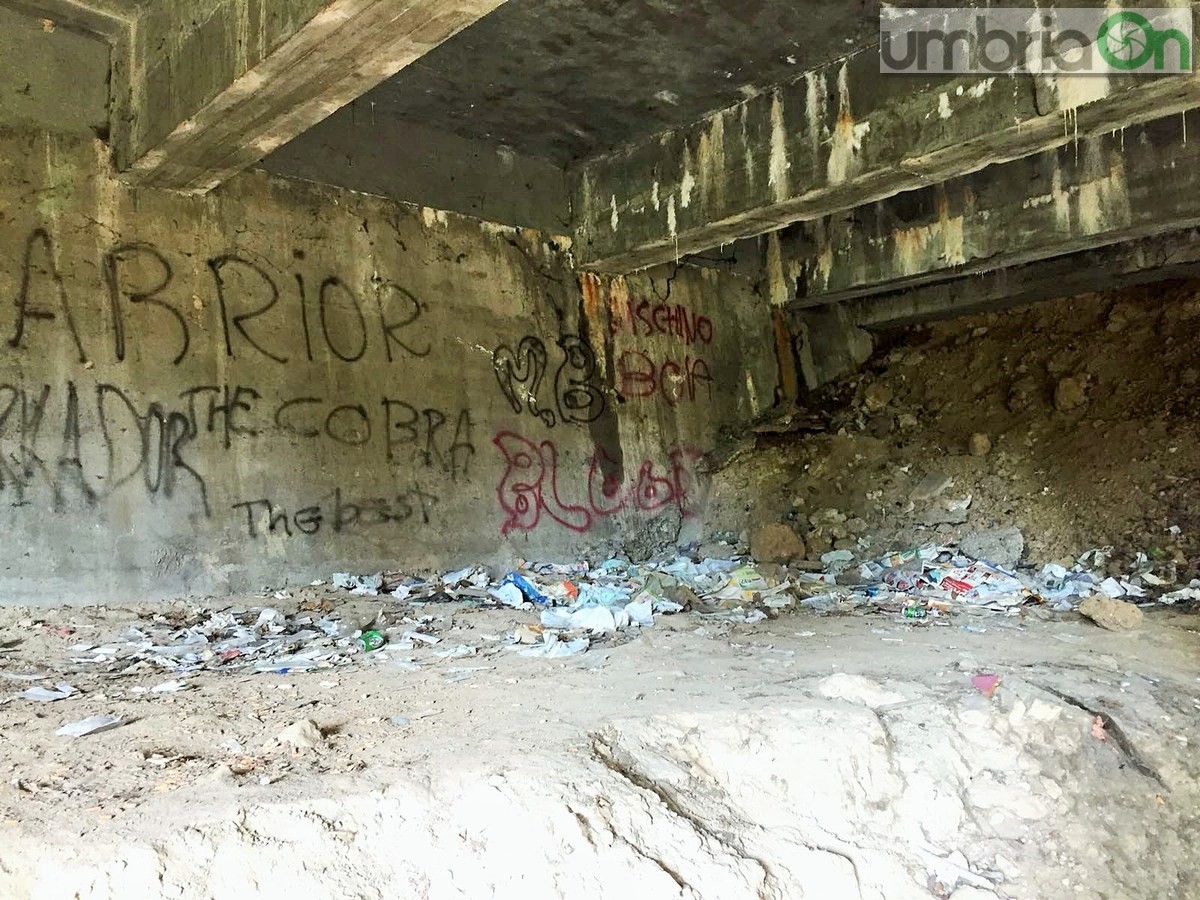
(645, 319)
(676, 381)
(531, 485)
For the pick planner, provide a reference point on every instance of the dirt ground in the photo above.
(804, 756)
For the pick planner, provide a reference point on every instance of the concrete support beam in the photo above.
(378, 154)
(1146, 261)
(1127, 185)
(834, 139)
(218, 84)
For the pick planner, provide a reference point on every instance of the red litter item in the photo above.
(986, 684)
(572, 591)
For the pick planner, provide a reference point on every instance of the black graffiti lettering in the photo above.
(328, 287)
(154, 448)
(156, 444)
(434, 420)
(303, 296)
(251, 519)
(524, 368)
(70, 457)
(308, 520)
(218, 266)
(348, 425)
(345, 515)
(401, 420)
(179, 435)
(392, 328)
(112, 277)
(230, 409)
(26, 463)
(579, 400)
(40, 239)
(283, 419)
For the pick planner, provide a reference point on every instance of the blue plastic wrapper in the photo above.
(527, 589)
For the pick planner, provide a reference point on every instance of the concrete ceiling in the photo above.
(563, 79)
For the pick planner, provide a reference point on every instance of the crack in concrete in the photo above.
(1118, 735)
(606, 754)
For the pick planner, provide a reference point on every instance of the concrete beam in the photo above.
(379, 154)
(1126, 185)
(1146, 261)
(218, 84)
(836, 138)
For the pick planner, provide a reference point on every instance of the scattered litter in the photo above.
(986, 684)
(92, 725)
(371, 641)
(359, 585)
(60, 691)
(1098, 729)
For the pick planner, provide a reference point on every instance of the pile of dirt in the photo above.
(1073, 422)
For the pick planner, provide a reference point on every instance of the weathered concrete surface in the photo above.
(1146, 261)
(274, 381)
(367, 150)
(565, 79)
(1112, 187)
(51, 77)
(217, 84)
(839, 137)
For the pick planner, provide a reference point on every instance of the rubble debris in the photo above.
(1000, 546)
(777, 543)
(1110, 614)
(980, 444)
(877, 397)
(1070, 394)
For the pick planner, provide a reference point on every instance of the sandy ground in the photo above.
(846, 757)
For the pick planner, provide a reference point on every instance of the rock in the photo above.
(932, 486)
(1070, 394)
(980, 444)
(1002, 547)
(777, 543)
(1022, 394)
(881, 426)
(1114, 615)
(303, 735)
(845, 544)
(877, 397)
(857, 526)
(908, 422)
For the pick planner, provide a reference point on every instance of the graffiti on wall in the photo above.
(294, 329)
(536, 482)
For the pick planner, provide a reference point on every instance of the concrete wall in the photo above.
(258, 387)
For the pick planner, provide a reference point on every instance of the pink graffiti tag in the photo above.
(530, 486)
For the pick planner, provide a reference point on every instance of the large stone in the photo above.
(1114, 615)
(1000, 546)
(777, 543)
(1070, 394)
(980, 444)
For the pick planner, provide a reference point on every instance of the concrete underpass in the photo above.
(537, 448)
